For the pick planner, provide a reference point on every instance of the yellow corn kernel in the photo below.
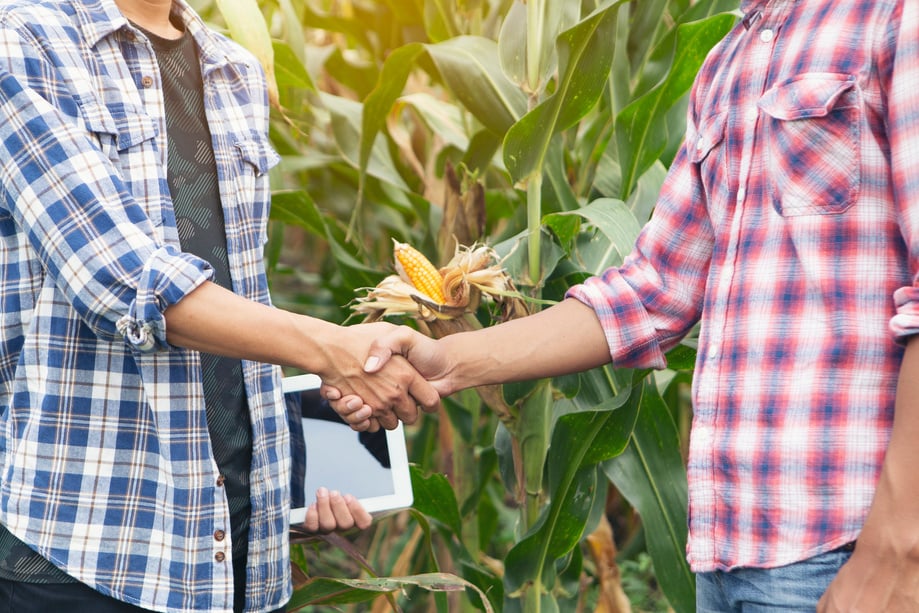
(417, 270)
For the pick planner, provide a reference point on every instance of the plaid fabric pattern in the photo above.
(789, 227)
(106, 461)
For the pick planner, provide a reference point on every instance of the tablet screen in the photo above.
(326, 452)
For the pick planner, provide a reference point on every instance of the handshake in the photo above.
(395, 372)
(403, 372)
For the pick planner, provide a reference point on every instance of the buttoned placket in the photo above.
(758, 45)
(761, 41)
(221, 543)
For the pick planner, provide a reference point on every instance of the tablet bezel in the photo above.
(402, 495)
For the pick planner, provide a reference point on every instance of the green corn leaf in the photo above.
(247, 26)
(585, 57)
(641, 129)
(651, 475)
(579, 441)
(328, 591)
(469, 66)
(435, 498)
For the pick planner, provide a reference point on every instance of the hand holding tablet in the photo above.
(326, 452)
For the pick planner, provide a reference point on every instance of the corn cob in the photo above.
(417, 270)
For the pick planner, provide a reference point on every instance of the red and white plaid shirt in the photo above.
(789, 225)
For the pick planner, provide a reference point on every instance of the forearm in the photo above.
(215, 320)
(894, 517)
(883, 572)
(562, 339)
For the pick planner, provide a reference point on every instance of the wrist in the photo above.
(892, 525)
(460, 366)
(311, 341)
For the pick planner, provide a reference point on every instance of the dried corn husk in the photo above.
(474, 272)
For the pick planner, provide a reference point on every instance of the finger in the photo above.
(324, 508)
(362, 518)
(424, 394)
(397, 342)
(329, 393)
(311, 522)
(404, 376)
(403, 406)
(374, 425)
(360, 420)
(386, 418)
(341, 513)
(371, 424)
(405, 409)
(353, 412)
(375, 362)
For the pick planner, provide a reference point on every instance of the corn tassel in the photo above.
(417, 270)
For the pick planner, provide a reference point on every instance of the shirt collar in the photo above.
(98, 19)
(101, 18)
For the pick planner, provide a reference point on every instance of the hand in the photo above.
(362, 417)
(353, 411)
(873, 580)
(423, 353)
(392, 393)
(334, 512)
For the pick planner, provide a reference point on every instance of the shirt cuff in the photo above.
(167, 277)
(906, 321)
(632, 338)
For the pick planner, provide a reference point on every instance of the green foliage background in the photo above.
(557, 119)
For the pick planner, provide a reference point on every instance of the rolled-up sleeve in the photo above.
(650, 302)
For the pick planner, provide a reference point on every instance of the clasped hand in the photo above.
(402, 373)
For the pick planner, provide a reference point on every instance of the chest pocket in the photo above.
(126, 135)
(811, 144)
(117, 132)
(255, 158)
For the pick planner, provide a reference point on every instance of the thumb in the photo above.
(376, 360)
(386, 346)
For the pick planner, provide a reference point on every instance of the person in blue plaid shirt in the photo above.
(144, 450)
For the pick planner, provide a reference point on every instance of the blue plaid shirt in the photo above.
(105, 461)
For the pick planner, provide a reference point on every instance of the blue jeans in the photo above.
(791, 589)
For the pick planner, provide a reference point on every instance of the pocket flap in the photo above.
(806, 96)
(259, 154)
(128, 127)
(708, 135)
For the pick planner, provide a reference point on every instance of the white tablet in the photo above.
(371, 467)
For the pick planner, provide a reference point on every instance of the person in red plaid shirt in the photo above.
(789, 227)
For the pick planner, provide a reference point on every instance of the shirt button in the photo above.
(700, 145)
(752, 114)
(219, 535)
(741, 194)
(147, 81)
(766, 35)
(220, 480)
(713, 351)
(220, 556)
